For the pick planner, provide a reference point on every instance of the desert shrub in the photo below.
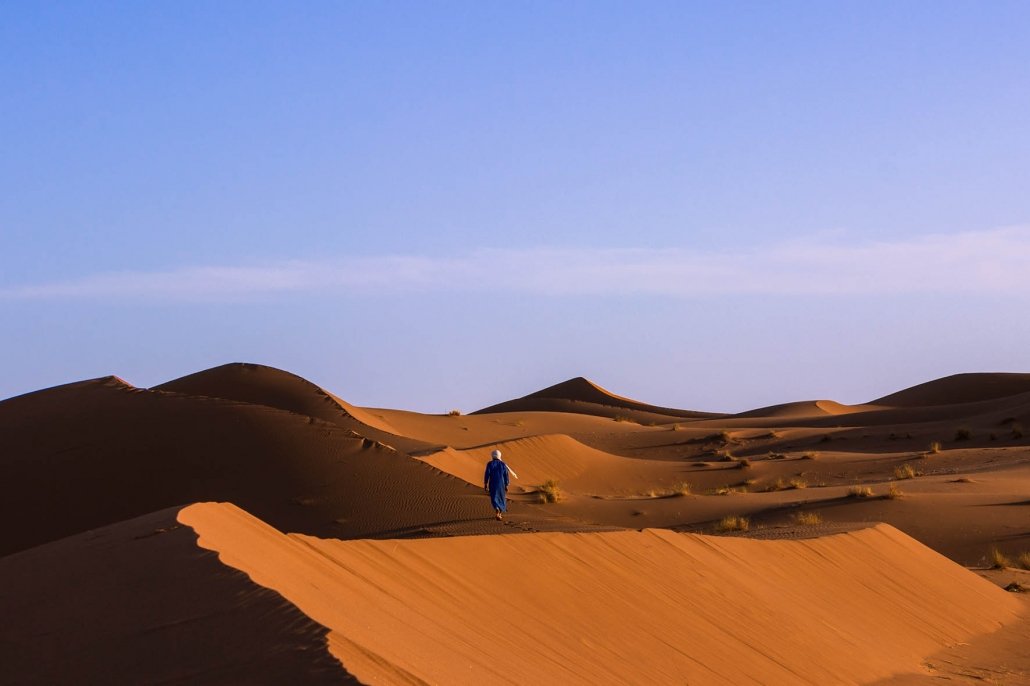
(624, 418)
(998, 559)
(963, 433)
(681, 489)
(860, 492)
(777, 456)
(797, 482)
(454, 413)
(734, 523)
(743, 463)
(1023, 560)
(905, 471)
(1017, 430)
(935, 447)
(808, 518)
(777, 485)
(551, 492)
(810, 456)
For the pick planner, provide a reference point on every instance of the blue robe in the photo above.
(495, 480)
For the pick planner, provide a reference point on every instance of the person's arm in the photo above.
(504, 472)
(486, 478)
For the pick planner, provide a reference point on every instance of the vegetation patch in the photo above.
(997, 559)
(551, 492)
(905, 471)
(860, 492)
(807, 518)
(734, 523)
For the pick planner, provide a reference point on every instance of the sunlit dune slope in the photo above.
(255, 383)
(959, 388)
(92, 453)
(138, 602)
(582, 396)
(537, 459)
(647, 607)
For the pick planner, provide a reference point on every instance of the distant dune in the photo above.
(582, 396)
(261, 385)
(959, 388)
(806, 408)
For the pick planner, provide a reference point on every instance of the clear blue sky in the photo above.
(435, 205)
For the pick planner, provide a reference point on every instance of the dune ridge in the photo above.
(959, 389)
(677, 607)
(540, 458)
(582, 396)
(263, 385)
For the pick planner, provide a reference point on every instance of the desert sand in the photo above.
(244, 525)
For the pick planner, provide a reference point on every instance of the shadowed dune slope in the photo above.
(88, 454)
(537, 459)
(651, 606)
(582, 396)
(959, 388)
(255, 383)
(140, 603)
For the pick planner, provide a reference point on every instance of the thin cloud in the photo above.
(984, 262)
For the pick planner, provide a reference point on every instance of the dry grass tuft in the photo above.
(998, 559)
(624, 418)
(905, 471)
(551, 492)
(454, 413)
(963, 433)
(860, 492)
(1017, 430)
(935, 447)
(734, 523)
(810, 456)
(778, 485)
(683, 488)
(743, 463)
(1023, 560)
(893, 492)
(798, 483)
(807, 518)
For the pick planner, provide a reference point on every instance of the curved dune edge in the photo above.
(652, 606)
(537, 459)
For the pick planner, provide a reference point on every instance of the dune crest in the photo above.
(676, 607)
(582, 396)
(806, 408)
(959, 388)
(263, 385)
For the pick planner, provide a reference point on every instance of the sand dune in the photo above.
(261, 385)
(583, 396)
(558, 457)
(139, 602)
(806, 408)
(628, 607)
(959, 388)
(93, 453)
(102, 453)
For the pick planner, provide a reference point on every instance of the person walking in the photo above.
(495, 481)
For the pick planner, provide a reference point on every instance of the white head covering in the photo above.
(496, 454)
